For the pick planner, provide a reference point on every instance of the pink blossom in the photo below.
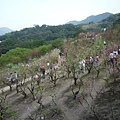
(28, 108)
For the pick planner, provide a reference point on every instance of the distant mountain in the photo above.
(4, 30)
(108, 23)
(92, 18)
(112, 18)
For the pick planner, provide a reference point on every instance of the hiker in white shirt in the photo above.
(82, 65)
(111, 58)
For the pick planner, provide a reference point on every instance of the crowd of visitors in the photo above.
(113, 57)
(88, 61)
(82, 64)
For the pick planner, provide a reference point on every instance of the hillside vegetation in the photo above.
(42, 35)
(99, 26)
(68, 91)
(36, 36)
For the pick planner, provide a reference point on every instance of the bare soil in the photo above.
(96, 100)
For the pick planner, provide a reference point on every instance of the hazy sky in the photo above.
(19, 14)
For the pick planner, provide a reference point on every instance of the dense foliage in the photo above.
(18, 55)
(33, 42)
(36, 36)
(41, 35)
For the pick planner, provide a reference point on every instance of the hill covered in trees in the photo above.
(42, 35)
(42, 32)
(105, 23)
(68, 91)
(36, 36)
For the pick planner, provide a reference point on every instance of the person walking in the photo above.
(97, 58)
(111, 59)
(10, 78)
(16, 77)
(43, 72)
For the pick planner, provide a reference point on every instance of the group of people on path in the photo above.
(13, 78)
(83, 63)
(88, 61)
(113, 57)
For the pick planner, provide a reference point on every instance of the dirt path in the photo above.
(7, 88)
(62, 93)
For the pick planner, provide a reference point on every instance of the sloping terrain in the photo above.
(67, 92)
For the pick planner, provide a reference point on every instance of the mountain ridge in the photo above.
(4, 30)
(92, 18)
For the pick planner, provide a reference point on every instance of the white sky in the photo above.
(19, 14)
